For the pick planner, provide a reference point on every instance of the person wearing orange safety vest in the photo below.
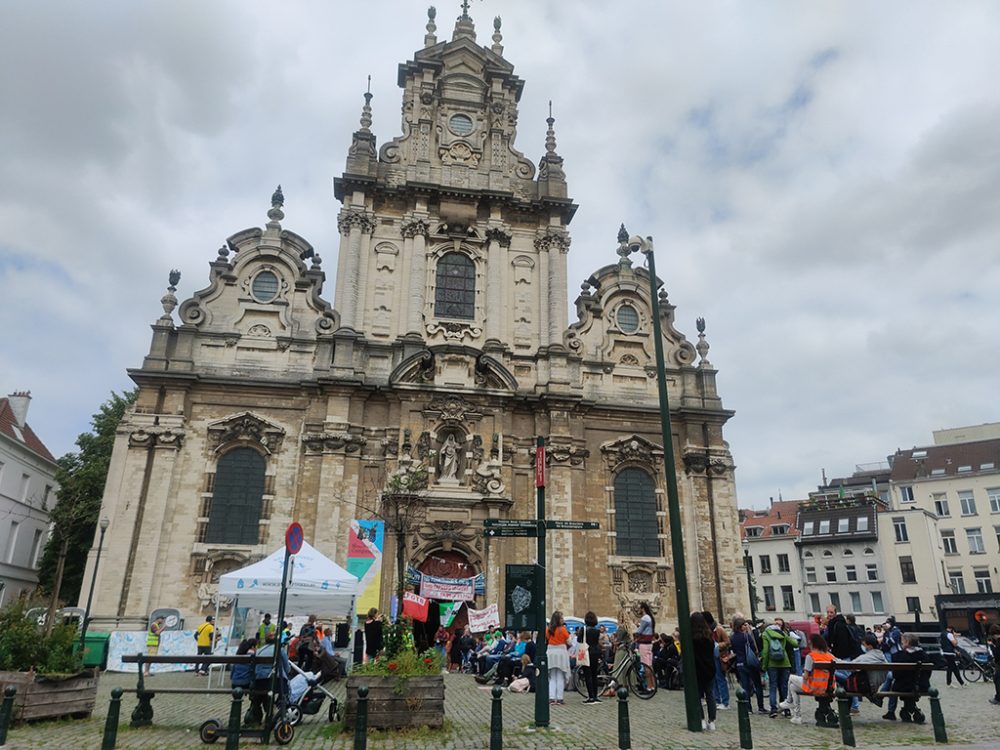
(812, 681)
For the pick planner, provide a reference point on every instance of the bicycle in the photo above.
(630, 672)
(973, 669)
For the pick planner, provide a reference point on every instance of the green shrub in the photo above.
(23, 644)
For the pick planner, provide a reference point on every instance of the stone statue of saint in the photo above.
(449, 458)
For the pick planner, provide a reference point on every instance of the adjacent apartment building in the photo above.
(27, 492)
(772, 559)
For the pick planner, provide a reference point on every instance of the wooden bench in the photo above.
(142, 715)
(827, 717)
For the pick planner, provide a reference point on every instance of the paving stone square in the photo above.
(657, 724)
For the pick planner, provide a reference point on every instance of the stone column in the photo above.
(365, 261)
(416, 229)
(351, 223)
(542, 246)
(497, 239)
(558, 248)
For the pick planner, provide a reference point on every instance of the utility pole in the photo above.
(541, 657)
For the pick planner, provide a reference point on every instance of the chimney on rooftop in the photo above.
(19, 401)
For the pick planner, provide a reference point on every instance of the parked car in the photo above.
(976, 650)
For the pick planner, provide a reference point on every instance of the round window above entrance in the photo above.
(460, 124)
(265, 286)
(628, 319)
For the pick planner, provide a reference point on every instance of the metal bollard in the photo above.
(496, 719)
(846, 723)
(361, 720)
(6, 712)
(111, 722)
(235, 713)
(743, 716)
(624, 728)
(937, 717)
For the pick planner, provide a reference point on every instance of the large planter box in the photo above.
(41, 697)
(395, 703)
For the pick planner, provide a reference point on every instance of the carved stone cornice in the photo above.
(349, 219)
(454, 330)
(412, 227)
(700, 462)
(246, 428)
(565, 453)
(453, 408)
(332, 442)
(633, 449)
(160, 437)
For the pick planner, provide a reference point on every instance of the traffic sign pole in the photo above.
(293, 543)
(541, 658)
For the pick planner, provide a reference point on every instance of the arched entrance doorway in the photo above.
(442, 564)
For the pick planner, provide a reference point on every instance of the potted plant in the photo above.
(46, 669)
(405, 689)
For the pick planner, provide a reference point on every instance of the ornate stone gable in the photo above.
(635, 449)
(244, 428)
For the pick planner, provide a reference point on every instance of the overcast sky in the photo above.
(822, 181)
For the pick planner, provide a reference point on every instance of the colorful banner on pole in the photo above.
(415, 606)
(448, 610)
(365, 542)
(448, 589)
(481, 620)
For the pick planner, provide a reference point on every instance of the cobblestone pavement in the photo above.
(657, 723)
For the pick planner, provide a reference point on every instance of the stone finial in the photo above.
(430, 38)
(550, 134)
(702, 345)
(223, 253)
(624, 250)
(366, 110)
(316, 262)
(464, 26)
(275, 214)
(168, 300)
(497, 47)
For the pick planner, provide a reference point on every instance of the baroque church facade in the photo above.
(446, 351)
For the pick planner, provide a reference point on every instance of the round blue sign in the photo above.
(294, 538)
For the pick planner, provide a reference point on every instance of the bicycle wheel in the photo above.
(635, 681)
(581, 681)
(971, 673)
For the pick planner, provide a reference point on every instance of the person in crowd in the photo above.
(812, 681)
(877, 630)
(259, 701)
(994, 646)
(909, 681)
(839, 635)
(468, 644)
(796, 642)
(746, 652)
(511, 659)
(856, 630)
(723, 655)
(455, 651)
(266, 626)
(775, 662)
(358, 653)
(242, 675)
(205, 639)
(605, 641)
(704, 645)
(892, 638)
(592, 639)
(864, 680)
(373, 634)
(666, 660)
(488, 662)
(557, 636)
(441, 641)
(153, 641)
(949, 650)
(645, 634)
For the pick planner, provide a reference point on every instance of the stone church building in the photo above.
(446, 351)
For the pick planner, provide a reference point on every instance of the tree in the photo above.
(81, 477)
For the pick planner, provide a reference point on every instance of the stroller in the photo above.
(310, 701)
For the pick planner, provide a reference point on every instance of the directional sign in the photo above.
(293, 538)
(572, 525)
(510, 523)
(509, 531)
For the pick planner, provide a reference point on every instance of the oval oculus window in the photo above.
(460, 124)
(265, 286)
(628, 319)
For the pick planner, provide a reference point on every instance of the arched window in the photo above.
(635, 514)
(455, 294)
(236, 501)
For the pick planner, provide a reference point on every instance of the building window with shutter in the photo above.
(636, 524)
(237, 498)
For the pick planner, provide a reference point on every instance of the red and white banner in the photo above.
(448, 589)
(540, 466)
(481, 620)
(414, 606)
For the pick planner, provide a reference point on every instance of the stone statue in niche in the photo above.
(448, 473)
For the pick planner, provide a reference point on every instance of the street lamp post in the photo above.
(692, 701)
(750, 586)
(93, 582)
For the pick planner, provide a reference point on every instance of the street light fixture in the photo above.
(750, 586)
(93, 582)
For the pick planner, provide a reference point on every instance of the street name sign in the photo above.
(573, 525)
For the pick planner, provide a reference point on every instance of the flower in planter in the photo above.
(393, 666)
(428, 661)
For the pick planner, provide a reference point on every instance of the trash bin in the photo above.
(95, 650)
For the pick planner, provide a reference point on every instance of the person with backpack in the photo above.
(776, 663)
(747, 655)
(839, 636)
(949, 650)
(909, 681)
(723, 657)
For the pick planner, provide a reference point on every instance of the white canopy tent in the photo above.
(319, 586)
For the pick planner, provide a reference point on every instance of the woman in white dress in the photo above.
(557, 636)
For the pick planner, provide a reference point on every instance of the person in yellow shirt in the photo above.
(153, 641)
(205, 636)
